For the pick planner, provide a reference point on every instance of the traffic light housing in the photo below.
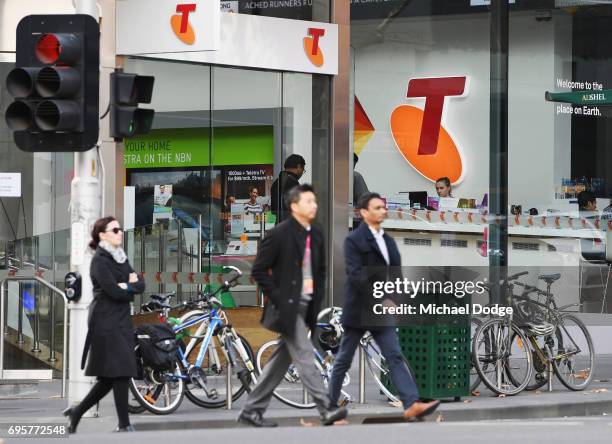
(55, 84)
(127, 91)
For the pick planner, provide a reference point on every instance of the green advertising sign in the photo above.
(191, 147)
(603, 97)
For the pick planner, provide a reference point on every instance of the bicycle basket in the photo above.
(157, 345)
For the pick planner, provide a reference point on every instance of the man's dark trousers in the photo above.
(386, 339)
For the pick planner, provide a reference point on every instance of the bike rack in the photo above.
(362, 364)
(228, 385)
(3, 309)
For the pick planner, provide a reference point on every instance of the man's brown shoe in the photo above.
(420, 409)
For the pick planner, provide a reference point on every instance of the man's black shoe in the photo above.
(254, 419)
(331, 416)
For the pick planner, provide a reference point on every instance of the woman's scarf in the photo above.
(116, 252)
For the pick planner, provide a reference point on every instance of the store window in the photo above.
(202, 179)
(421, 124)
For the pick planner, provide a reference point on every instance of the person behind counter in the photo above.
(443, 187)
(587, 201)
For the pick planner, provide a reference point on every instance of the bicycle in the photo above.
(498, 349)
(200, 371)
(291, 392)
(558, 340)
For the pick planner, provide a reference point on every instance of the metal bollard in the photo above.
(550, 377)
(36, 346)
(51, 329)
(305, 399)
(362, 365)
(228, 385)
(20, 339)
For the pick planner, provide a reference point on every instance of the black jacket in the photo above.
(278, 272)
(278, 204)
(109, 347)
(364, 265)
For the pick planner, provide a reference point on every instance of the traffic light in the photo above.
(55, 83)
(127, 91)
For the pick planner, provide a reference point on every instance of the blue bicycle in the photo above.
(208, 348)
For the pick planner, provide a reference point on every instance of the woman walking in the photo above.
(109, 346)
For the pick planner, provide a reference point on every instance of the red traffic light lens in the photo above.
(48, 49)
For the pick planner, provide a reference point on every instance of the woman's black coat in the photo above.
(109, 347)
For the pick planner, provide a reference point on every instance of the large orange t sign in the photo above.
(315, 33)
(434, 90)
(185, 9)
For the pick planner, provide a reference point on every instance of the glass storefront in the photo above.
(205, 173)
(423, 114)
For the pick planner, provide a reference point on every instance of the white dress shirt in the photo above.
(380, 241)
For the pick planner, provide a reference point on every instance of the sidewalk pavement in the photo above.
(45, 405)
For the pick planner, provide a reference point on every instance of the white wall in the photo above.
(539, 142)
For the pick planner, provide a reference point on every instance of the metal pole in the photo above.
(228, 384)
(190, 268)
(20, 339)
(2, 331)
(199, 287)
(362, 365)
(65, 350)
(498, 142)
(304, 395)
(36, 346)
(86, 202)
(179, 259)
(161, 253)
(52, 329)
(143, 256)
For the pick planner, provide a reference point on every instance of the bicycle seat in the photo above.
(162, 297)
(549, 278)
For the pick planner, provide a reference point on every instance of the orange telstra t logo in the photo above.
(180, 23)
(311, 46)
(419, 134)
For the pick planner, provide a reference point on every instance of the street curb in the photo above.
(594, 408)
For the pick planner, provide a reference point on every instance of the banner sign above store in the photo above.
(169, 26)
(247, 40)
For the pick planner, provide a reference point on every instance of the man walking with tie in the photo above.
(367, 249)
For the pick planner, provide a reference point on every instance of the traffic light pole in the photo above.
(86, 200)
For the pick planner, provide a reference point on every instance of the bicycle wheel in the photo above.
(499, 351)
(207, 386)
(573, 355)
(539, 376)
(160, 392)
(290, 391)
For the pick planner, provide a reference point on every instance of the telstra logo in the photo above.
(311, 46)
(180, 23)
(419, 134)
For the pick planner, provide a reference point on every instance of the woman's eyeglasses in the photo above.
(115, 230)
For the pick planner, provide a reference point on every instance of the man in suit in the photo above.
(367, 251)
(290, 269)
(295, 166)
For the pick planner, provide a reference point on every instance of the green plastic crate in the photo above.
(438, 351)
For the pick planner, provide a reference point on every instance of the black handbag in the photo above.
(271, 318)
